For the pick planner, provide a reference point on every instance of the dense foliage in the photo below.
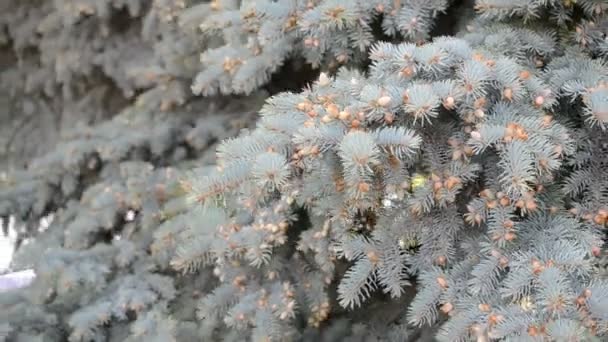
(420, 184)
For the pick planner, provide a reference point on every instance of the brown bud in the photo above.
(449, 102)
(478, 57)
(539, 63)
(508, 94)
(373, 257)
(326, 119)
(539, 101)
(441, 260)
(476, 329)
(487, 193)
(344, 115)
(333, 110)
(389, 118)
(510, 236)
(524, 75)
(323, 78)
(480, 102)
(531, 205)
(537, 266)
(384, 101)
(355, 123)
(505, 201)
(599, 219)
(558, 149)
(451, 182)
(363, 187)
(503, 261)
(493, 319)
(468, 150)
(304, 106)
(442, 282)
(522, 135)
(407, 71)
(581, 300)
(447, 308)
(478, 219)
(340, 185)
(484, 307)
